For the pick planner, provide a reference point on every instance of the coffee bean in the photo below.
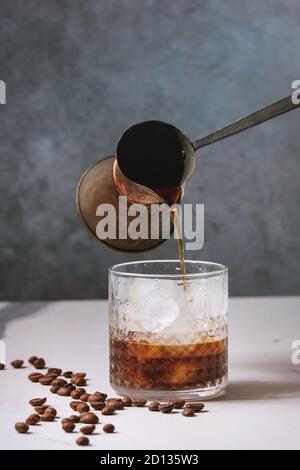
(2, 366)
(68, 374)
(32, 359)
(21, 427)
(64, 392)
(17, 363)
(68, 426)
(139, 402)
(72, 418)
(84, 397)
(37, 401)
(96, 397)
(127, 401)
(76, 393)
(88, 429)
(188, 412)
(59, 382)
(196, 406)
(97, 405)
(70, 387)
(50, 376)
(47, 417)
(50, 410)
(46, 380)
(40, 409)
(108, 428)
(166, 407)
(115, 400)
(33, 419)
(81, 390)
(74, 405)
(79, 381)
(108, 410)
(89, 418)
(154, 406)
(39, 363)
(117, 405)
(35, 376)
(55, 370)
(82, 441)
(54, 389)
(177, 403)
(82, 408)
(78, 374)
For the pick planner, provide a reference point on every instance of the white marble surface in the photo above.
(261, 409)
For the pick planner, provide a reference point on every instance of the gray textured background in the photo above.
(78, 73)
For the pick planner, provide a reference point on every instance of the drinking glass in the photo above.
(168, 333)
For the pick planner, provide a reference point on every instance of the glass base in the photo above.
(202, 394)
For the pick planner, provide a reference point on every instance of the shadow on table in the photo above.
(262, 390)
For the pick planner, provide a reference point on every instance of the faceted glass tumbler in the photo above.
(168, 334)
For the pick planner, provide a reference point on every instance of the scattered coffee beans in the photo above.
(51, 410)
(47, 417)
(82, 441)
(78, 374)
(68, 374)
(117, 405)
(39, 363)
(32, 360)
(37, 401)
(76, 393)
(40, 409)
(177, 403)
(72, 418)
(108, 410)
(89, 418)
(166, 407)
(2, 366)
(82, 408)
(79, 381)
(127, 401)
(64, 391)
(70, 387)
(139, 402)
(55, 370)
(97, 397)
(33, 419)
(21, 427)
(188, 412)
(115, 400)
(154, 406)
(54, 389)
(109, 428)
(17, 363)
(196, 407)
(97, 405)
(74, 404)
(46, 380)
(87, 429)
(68, 426)
(35, 376)
(59, 382)
(84, 397)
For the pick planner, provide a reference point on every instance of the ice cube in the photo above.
(157, 312)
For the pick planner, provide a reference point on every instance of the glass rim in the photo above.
(220, 269)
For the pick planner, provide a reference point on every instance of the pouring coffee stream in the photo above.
(152, 164)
